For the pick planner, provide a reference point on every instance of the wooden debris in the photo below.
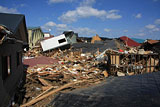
(77, 66)
(46, 95)
(105, 73)
(44, 82)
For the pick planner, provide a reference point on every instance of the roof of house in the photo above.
(96, 38)
(13, 22)
(152, 41)
(129, 42)
(138, 40)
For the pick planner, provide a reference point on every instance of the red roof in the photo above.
(39, 60)
(129, 42)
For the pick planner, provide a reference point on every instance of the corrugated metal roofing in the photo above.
(129, 42)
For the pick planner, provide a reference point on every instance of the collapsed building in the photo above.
(35, 34)
(63, 40)
(152, 45)
(129, 42)
(83, 64)
(13, 39)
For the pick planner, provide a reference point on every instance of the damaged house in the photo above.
(13, 38)
(71, 36)
(67, 38)
(35, 34)
(129, 42)
(151, 45)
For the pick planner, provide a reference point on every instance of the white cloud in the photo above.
(150, 26)
(87, 11)
(49, 25)
(156, 29)
(125, 31)
(107, 30)
(8, 10)
(61, 25)
(87, 2)
(141, 34)
(113, 14)
(157, 21)
(85, 31)
(53, 26)
(59, 1)
(59, 28)
(81, 12)
(138, 16)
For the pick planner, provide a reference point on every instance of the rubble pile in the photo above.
(35, 52)
(71, 67)
(78, 68)
(132, 61)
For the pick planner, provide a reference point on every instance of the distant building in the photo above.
(96, 39)
(35, 34)
(47, 34)
(151, 45)
(13, 37)
(129, 42)
(71, 36)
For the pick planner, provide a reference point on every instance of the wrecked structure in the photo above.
(96, 39)
(54, 42)
(13, 37)
(66, 39)
(153, 45)
(47, 34)
(130, 63)
(129, 42)
(83, 65)
(71, 36)
(35, 35)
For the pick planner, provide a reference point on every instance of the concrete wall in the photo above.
(9, 84)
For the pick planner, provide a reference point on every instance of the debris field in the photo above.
(76, 69)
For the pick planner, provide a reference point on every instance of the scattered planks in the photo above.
(43, 95)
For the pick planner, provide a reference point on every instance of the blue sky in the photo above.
(107, 18)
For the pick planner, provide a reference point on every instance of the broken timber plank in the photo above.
(51, 87)
(48, 94)
(44, 82)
